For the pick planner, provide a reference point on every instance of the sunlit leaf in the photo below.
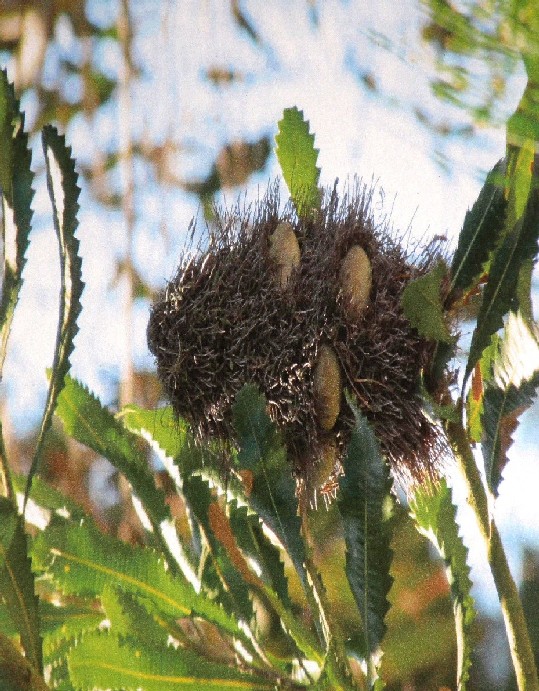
(160, 427)
(435, 515)
(273, 490)
(90, 423)
(510, 391)
(17, 194)
(364, 503)
(82, 561)
(241, 532)
(519, 246)
(61, 623)
(129, 617)
(17, 582)
(480, 233)
(102, 661)
(422, 304)
(235, 595)
(297, 158)
(64, 193)
(247, 529)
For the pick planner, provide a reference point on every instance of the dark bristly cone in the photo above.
(237, 312)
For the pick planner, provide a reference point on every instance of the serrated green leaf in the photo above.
(81, 560)
(17, 582)
(247, 528)
(273, 491)
(235, 593)
(480, 233)
(102, 661)
(519, 246)
(16, 192)
(16, 672)
(364, 503)
(297, 157)
(64, 193)
(130, 618)
(300, 634)
(435, 515)
(46, 497)
(422, 304)
(90, 423)
(65, 623)
(160, 426)
(510, 391)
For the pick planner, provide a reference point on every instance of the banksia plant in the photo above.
(305, 349)
(305, 307)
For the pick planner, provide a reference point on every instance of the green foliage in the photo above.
(103, 659)
(422, 304)
(297, 158)
(509, 390)
(91, 424)
(480, 233)
(272, 493)
(365, 507)
(82, 561)
(187, 609)
(519, 246)
(17, 582)
(64, 193)
(435, 515)
(16, 191)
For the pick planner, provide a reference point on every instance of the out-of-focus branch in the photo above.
(126, 393)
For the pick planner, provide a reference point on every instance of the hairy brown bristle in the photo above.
(282, 303)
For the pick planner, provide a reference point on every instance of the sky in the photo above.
(317, 66)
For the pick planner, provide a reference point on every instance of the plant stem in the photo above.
(5, 471)
(513, 614)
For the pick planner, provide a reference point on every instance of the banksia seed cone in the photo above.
(303, 309)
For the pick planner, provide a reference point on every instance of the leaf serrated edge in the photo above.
(459, 578)
(59, 161)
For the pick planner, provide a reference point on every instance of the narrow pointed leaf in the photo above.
(245, 533)
(160, 427)
(422, 304)
(500, 293)
(66, 623)
(64, 193)
(510, 391)
(247, 529)
(480, 234)
(235, 593)
(129, 617)
(17, 582)
(364, 504)
(435, 516)
(297, 158)
(273, 491)
(91, 424)
(102, 661)
(16, 196)
(82, 561)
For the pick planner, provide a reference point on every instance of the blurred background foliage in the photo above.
(83, 64)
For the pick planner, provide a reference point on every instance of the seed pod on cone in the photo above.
(304, 309)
